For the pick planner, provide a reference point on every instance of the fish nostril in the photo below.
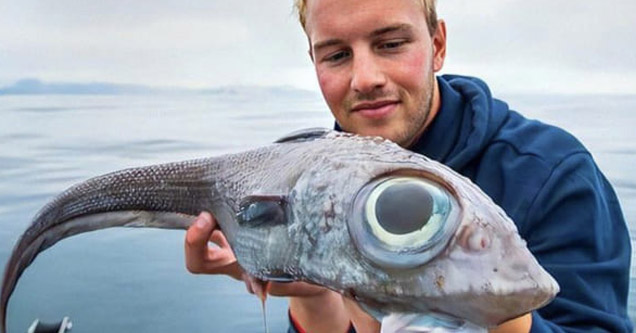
(474, 239)
(478, 241)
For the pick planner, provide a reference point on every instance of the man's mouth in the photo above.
(377, 109)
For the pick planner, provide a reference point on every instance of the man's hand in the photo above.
(362, 321)
(308, 301)
(201, 258)
(520, 324)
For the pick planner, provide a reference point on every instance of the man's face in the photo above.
(375, 62)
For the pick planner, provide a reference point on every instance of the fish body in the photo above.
(320, 206)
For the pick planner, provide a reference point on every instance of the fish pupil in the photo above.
(404, 208)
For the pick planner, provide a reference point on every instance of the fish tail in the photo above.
(160, 196)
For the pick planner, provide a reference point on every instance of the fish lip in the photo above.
(279, 277)
(374, 105)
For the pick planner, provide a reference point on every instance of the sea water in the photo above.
(135, 280)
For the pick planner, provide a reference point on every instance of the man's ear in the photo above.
(439, 46)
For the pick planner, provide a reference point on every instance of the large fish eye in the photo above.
(403, 221)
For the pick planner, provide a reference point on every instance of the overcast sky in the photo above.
(563, 46)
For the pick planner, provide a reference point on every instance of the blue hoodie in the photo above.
(550, 186)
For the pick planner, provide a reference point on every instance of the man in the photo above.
(375, 61)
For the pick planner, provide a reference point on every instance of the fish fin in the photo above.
(306, 134)
(427, 323)
(259, 210)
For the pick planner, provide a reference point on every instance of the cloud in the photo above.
(560, 45)
(515, 45)
(193, 43)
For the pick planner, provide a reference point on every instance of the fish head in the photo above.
(397, 232)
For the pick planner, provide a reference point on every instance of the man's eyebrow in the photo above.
(391, 28)
(327, 43)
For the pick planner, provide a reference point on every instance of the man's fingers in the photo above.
(220, 257)
(199, 232)
(361, 320)
(219, 239)
(196, 244)
(248, 283)
(201, 258)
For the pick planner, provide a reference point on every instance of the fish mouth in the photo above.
(281, 278)
(261, 286)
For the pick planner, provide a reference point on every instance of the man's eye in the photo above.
(391, 44)
(338, 56)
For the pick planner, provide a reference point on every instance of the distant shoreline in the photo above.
(38, 87)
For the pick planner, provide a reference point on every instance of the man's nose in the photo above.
(367, 74)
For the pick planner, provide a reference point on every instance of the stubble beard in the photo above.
(415, 123)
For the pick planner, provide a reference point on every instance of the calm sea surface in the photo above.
(134, 280)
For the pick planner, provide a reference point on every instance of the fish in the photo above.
(391, 229)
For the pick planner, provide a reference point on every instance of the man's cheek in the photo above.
(333, 88)
(415, 66)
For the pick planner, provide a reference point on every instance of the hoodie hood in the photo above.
(467, 121)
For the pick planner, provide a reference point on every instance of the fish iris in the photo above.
(405, 213)
(403, 208)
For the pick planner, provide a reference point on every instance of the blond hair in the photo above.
(428, 7)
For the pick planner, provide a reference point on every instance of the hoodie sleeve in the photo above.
(576, 230)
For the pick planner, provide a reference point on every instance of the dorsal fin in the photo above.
(305, 134)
